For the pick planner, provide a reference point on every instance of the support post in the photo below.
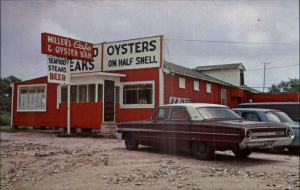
(68, 110)
(69, 100)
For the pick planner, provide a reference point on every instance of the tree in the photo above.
(292, 85)
(5, 93)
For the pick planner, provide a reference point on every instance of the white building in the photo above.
(230, 73)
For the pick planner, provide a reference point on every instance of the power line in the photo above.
(270, 68)
(230, 42)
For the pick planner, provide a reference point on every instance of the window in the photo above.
(162, 113)
(217, 113)
(73, 93)
(250, 116)
(32, 98)
(64, 93)
(241, 77)
(181, 82)
(196, 85)
(79, 93)
(208, 87)
(179, 114)
(82, 93)
(138, 94)
(100, 92)
(91, 93)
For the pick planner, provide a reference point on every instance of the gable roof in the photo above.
(220, 67)
(192, 73)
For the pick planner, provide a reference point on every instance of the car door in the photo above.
(177, 128)
(154, 134)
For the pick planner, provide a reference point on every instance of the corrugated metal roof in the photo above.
(220, 67)
(192, 73)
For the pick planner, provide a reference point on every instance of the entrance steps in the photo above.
(108, 130)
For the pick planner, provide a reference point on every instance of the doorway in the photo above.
(109, 103)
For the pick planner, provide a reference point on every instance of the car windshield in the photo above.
(217, 113)
(283, 118)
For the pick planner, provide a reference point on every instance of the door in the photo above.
(109, 100)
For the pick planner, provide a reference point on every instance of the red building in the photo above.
(120, 89)
(110, 97)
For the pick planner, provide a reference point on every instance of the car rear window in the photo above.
(217, 113)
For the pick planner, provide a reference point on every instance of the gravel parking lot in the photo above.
(43, 161)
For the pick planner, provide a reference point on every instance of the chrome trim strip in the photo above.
(251, 128)
(162, 131)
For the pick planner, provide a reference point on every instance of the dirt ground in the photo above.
(43, 161)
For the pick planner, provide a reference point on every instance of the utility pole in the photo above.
(264, 83)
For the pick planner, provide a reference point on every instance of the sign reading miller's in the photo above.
(66, 47)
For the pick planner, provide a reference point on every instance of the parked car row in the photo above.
(203, 129)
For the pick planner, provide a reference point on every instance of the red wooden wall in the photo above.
(83, 115)
(171, 88)
(131, 114)
(275, 97)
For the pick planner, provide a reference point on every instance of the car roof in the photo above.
(254, 109)
(196, 105)
(269, 103)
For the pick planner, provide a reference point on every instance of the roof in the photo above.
(192, 73)
(254, 109)
(197, 105)
(220, 67)
(250, 89)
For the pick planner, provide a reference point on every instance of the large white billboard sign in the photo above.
(58, 70)
(132, 54)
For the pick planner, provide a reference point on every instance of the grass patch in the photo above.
(8, 128)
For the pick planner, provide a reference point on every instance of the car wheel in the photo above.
(202, 151)
(242, 153)
(130, 142)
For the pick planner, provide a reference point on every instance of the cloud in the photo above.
(96, 21)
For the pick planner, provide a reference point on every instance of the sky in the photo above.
(196, 33)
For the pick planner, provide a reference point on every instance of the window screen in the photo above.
(73, 93)
(91, 93)
(208, 87)
(196, 86)
(100, 92)
(82, 93)
(32, 98)
(64, 93)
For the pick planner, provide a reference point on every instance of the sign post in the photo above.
(69, 110)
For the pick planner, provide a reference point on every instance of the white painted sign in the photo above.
(83, 66)
(58, 70)
(132, 54)
(175, 100)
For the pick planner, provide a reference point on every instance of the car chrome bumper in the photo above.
(266, 143)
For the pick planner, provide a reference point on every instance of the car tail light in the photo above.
(289, 132)
(248, 134)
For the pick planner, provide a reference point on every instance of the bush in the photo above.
(5, 119)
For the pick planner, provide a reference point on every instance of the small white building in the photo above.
(230, 73)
